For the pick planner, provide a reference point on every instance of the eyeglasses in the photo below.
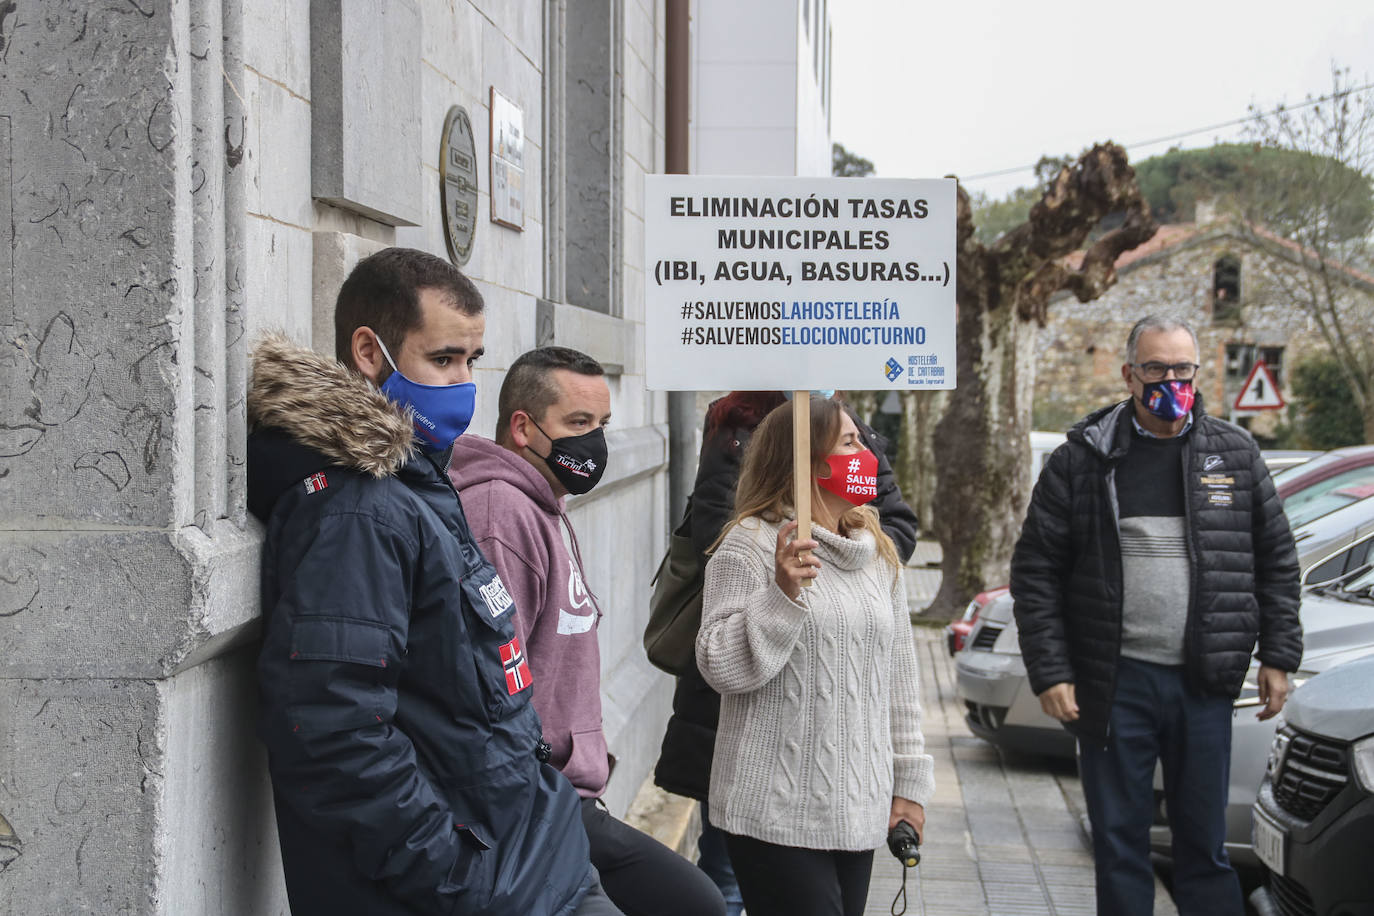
(1155, 372)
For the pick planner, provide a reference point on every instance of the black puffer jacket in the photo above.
(400, 734)
(1066, 570)
(684, 763)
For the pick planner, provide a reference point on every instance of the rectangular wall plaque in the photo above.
(507, 162)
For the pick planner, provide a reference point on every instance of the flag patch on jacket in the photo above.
(315, 483)
(517, 669)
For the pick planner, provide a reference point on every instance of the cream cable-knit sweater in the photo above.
(820, 719)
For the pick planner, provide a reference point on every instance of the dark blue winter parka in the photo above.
(395, 700)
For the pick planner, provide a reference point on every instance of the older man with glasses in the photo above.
(1154, 555)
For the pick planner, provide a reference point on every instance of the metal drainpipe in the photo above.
(681, 404)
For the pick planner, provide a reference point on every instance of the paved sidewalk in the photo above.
(1004, 835)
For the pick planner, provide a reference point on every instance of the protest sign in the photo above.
(792, 283)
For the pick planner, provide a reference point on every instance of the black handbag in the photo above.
(670, 638)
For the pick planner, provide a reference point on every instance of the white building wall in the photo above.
(756, 101)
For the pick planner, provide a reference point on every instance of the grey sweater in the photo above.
(820, 718)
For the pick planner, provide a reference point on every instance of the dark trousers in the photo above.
(596, 903)
(641, 875)
(714, 859)
(788, 881)
(1154, 716)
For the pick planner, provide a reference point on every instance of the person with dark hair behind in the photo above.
(684, 763)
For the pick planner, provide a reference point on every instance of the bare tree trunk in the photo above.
(981, 443)
(915, 465)
(864, 403)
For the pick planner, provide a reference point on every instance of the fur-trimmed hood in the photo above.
(328, 408)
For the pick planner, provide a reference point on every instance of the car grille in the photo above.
(1290, 897)
(1312, 772)
(987, 635)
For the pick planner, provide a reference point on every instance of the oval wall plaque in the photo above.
(458, 184)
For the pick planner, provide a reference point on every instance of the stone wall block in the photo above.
(79, 783)
(335, 254)
(365, 108)
(123, 603)
(278, 42)
(93, 162)
(453, 41)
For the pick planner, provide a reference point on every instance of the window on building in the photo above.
(816, 44)
(582, 156)
(1273, 359)
(1226, 289)
(1241, 357)
(830, 39)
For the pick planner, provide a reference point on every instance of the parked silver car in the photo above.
(991, 677)
(1338, 626)
(991, 680)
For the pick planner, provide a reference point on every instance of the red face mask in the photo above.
(853, 478)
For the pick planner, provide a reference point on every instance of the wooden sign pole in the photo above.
(801, 464)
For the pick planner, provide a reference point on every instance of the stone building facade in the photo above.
(176, 177)
(1233, 283)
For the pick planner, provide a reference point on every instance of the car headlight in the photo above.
(1249, 691)
(1362, 754)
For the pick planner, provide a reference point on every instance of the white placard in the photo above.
(797, 283)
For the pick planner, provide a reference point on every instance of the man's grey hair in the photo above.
(1155, 323)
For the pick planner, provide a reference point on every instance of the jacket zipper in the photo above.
(1190, 622)
(1120, 608)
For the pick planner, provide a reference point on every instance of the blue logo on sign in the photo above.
(892, 369)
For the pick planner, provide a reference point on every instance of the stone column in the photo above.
(130, 780)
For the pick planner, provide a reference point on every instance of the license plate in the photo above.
(1269, 840)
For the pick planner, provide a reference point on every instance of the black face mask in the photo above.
(577, 462)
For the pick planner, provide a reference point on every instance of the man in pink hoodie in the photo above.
(550, 442)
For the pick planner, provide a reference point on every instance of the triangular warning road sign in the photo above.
(1260, 391)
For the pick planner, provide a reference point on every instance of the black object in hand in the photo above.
(904, 844)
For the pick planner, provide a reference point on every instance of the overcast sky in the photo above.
(926, 89)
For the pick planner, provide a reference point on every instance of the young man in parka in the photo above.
(407, 765)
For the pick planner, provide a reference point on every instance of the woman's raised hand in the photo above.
(794, 562)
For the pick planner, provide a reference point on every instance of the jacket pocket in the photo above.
(471, 880)
(500, 664)
(340, 674)
(340, 639)
(588, 765)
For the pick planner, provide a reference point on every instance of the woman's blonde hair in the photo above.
(765, 480)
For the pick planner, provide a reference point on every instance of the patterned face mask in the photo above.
(1169, 399)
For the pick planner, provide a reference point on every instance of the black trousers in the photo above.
(641, 875)
(596, 903)
(788, 881)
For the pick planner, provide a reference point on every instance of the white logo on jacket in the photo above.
(1210, 462)
(495, 595)
(570, 624)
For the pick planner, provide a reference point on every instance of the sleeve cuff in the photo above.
(913, 778)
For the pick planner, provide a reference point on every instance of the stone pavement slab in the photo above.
(1005, 835)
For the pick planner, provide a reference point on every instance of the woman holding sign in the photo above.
(819, 748)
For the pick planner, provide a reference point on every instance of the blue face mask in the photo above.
(441, 412)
